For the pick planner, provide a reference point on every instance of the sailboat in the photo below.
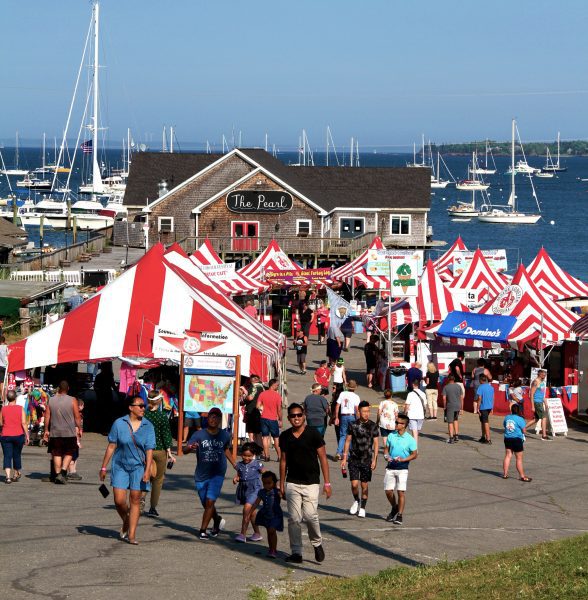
(473, 184)
(436, 181)
(16, 170)
(414, 163)
(468, 210)
(554, 168)
(548, 170)
(508, 214)
(485, 170)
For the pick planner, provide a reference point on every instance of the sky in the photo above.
(382, 71)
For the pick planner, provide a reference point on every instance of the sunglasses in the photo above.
(296, 416)
(138, 405)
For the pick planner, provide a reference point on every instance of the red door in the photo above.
(245, 235)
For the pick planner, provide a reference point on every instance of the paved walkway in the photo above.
(61, 541)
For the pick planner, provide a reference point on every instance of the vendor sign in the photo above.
(378, 261)
(216, 272)
(171, 344)
(474, 326)
(496, 260)
(298, 276)
(404, 276)
(556, 415)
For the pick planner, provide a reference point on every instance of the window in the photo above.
(165, 224)
(399, 224)
(245, 235)
(303, 227)
(349, 228)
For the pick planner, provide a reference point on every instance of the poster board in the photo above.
(378, 261)
(496, 260)
(556, 416)
(206, 382)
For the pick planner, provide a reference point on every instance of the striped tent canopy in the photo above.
(580, 328)
(444, 264)
(479, 277)
(537, 315)
(234, 284)
(121, 320)
(549, 277)
(354, 272)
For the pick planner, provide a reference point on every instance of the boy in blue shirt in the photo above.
(485, 399)
(401, 448)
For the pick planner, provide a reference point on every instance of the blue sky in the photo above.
(382, 71)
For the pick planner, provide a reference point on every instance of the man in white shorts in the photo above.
(401, 448)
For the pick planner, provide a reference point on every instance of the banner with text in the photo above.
(216, 272)
(496, 260)
(377, 263)
(298, 276)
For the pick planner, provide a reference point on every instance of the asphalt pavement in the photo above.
(62, 542)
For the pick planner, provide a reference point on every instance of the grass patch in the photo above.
(548, 570)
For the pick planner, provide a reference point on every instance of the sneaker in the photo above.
(256, 537)
(272, 554)
(482, 440)
(354, 508)
(390, 518)
(73, 477)
(456, 438)
(361, 513)
(294, 558)
(7, 480)
(60, 479)
(489, 442)
(450, 441)
(240, 538)
(545, 439)
(152, 512)
(203, 536)
(319, 553)
(397, 519)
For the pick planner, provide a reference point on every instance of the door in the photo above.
(245, 235)
(350, 228)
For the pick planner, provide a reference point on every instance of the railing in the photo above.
(293, 245)
(72, 277)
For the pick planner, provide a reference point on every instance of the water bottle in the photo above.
(344, 471)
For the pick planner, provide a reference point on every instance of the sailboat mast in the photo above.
(96, 175)
(511, 199)
(423, 136)
(558, 149)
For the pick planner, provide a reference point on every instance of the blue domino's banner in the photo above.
(473, 326)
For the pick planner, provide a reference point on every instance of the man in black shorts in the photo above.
(453, 397)
(362, 437)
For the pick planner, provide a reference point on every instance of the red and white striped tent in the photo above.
(234, 284)
(537, 315)
(549, 277)
(479, 277)
(273, 258)
(444, 264)
(121, 321)
(434, 301)
(354, 272)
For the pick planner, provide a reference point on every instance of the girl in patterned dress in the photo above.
(248, 482)
(270, 515)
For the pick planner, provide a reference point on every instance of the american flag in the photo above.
(87, 147)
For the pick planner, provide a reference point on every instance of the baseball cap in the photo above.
(340, 361)
(215, 411)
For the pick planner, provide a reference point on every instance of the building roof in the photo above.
(11, 235)
(328, 187)
(148, 169)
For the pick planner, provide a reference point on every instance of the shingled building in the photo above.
(243, 199)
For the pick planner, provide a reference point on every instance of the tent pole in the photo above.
(390, 314)
(541, 352)
(236, 411)
(180, 437)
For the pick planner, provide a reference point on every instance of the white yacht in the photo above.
(485, 170)
(474, 184)
(508, 214)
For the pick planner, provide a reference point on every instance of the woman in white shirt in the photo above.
(415, 409)
(387, 413)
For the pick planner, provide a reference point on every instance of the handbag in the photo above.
(153, 473)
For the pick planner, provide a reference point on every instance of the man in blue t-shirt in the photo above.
(211, 446)
(485, 399)
(401, 448)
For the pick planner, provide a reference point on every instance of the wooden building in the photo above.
(243, 199)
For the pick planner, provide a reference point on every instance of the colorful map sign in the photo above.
(377, 263)
(496, 260)
(203, 392)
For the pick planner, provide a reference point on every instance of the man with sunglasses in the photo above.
(211, 446)
(302, 451)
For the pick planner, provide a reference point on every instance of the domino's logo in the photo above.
(459, 328)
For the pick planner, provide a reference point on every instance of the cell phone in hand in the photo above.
(170, 464)
(104, 491)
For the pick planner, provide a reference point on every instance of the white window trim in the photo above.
(354, 219)
(309, 221)
(401, 216)
(171, 230)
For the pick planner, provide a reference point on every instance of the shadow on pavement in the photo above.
(98, 531)
(488, 472)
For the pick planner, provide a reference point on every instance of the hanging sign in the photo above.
(404, 274)
(209, 382)
(377, 261)
(299, 276)
(496, 260)
(170, 344)
(216, 272)
(259, 201)
(476, 326)
(507, 300)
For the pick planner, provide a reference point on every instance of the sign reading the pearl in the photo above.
(259, 201)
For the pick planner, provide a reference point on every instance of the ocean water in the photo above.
(563, 230)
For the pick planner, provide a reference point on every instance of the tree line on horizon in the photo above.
(567, 148)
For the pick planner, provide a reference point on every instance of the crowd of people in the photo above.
(139, 448)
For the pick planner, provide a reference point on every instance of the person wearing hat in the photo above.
(339, 376)
(162, 451)
(211, 446)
